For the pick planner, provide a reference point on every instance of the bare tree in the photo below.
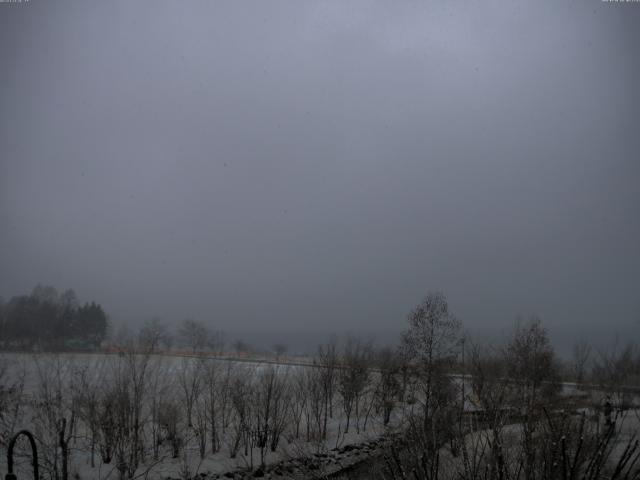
(388, 382)
(225, 394)
(12, 405)
(193, 334)
(617, 371)
(270, 407)
(189, 380)
(299, 398)
(55, 412)
(533, 372)
(533, 367)
(200, 425)
(240, 397)
(580, 360)
(315, 408)
(125, 414)
(280, 408)
(160, 387)
(353, 378)
(89, 382)
(327, 359)
(170, 418)
(212, 384)
(154, 335)
(431, 343)
(429, 349)
(491, 394)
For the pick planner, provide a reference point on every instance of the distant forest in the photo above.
(48, 320)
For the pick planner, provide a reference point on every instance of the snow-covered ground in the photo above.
(60, 372)
(171, 378)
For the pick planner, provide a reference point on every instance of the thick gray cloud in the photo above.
(318, 166)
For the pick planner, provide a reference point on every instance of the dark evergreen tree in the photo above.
(44, 319)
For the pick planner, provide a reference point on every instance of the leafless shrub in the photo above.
(316, 406)
(170, 418)
(240, 395)
(189, 380)
(388, 384)
(125, 411)
(353, 378)
(617, 371)
(55, 412)
(299, 399)
(270, 409)
(327, 359)
(12, 383)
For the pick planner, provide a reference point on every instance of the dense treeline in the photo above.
(46, 319)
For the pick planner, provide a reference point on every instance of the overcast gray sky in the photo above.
(319, 165)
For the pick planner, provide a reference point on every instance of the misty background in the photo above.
(308, 168)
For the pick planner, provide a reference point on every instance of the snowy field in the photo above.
(134, 416)
(182, 416)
